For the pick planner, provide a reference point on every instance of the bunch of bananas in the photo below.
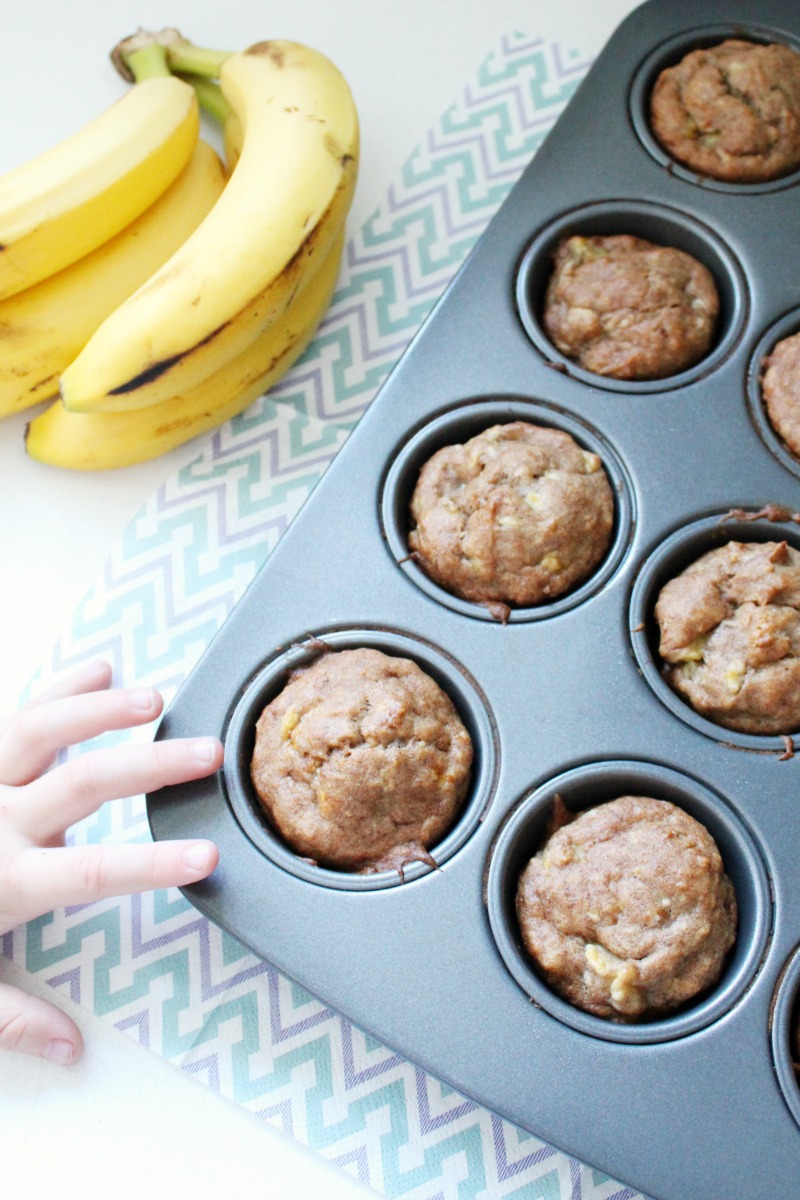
(153, 290)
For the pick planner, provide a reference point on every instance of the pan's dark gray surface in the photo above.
(693, 1106)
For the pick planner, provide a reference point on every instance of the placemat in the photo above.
(151, 964)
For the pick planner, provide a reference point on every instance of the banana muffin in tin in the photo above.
(626, 910)
(361, 762)
(516, 515)
(731, 111)
(780, 389)
(629, 309)
(730, 636)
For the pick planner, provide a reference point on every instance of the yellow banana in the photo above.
(43, 328)
(69, 200)
(98, 441)
(281, 209)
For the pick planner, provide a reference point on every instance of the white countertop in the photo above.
(123, 1122)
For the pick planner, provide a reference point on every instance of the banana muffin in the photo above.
(780, 389)
(516, 515)
(626, 910)
(361, 762)
(732, 111)
(730, 636)
(629, 309)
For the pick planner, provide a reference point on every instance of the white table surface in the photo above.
(123, 1122)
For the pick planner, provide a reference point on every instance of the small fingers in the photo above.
(30, 1025)
(94, 677)
(39, 880)
(31, 738)
(73, 791)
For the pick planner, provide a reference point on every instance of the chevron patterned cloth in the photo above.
(151, 964)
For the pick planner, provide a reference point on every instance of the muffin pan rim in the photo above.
(783, 1016)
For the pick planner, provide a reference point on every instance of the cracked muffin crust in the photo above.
(627, 308)
(361, 762)
(515, 515)
(731, 112)
(626, 910)
(730, 636)
(780, 389)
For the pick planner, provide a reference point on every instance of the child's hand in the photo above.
(37, 872)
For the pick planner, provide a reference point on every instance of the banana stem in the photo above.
(209, 97)
(185, 58)
(148, 62)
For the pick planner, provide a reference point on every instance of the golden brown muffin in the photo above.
(629, 309)
(627, 911)
(731, 112)
(517, 515)
(780, 387)
(730, 636)
(362, 762)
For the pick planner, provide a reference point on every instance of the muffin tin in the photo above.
(565, 697)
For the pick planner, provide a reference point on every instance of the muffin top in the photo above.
(731, 111)
(626, 910)
(517, 514)
(780, 388)
(361, 762)
(624, 307)
(730, 636)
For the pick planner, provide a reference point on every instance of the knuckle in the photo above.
(79, 778)
(13, 1027)
(91, 872)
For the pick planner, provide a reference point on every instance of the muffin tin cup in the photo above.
(668, 54)
(654, 223)
(456, 425)
(585, 787)
(783, 1024)
(785, 327)
(667, 561)
(239, 740)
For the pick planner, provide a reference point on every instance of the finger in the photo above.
(38, 880)
(30, 1025)
(94, 677)
(31, 738)
(49, 805)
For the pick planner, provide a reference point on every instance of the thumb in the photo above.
(30, 1025)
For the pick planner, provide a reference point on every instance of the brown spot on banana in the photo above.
(271, 50)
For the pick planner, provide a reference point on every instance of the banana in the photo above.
(69, 200)
(281, 209)
(43, 328)
(100, 441)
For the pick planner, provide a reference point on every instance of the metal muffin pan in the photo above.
(563, 697)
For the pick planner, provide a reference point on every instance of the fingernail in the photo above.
(60, 1051)
(203, 750)
(142, 699)
(197, 856)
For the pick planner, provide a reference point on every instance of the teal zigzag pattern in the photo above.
(151, 964)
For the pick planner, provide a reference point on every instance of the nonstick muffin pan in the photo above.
(565, 697)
